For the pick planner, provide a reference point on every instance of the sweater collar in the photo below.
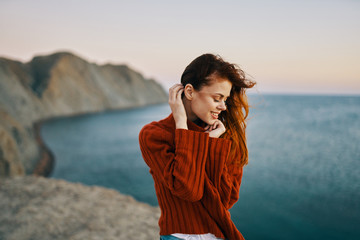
(191, 125)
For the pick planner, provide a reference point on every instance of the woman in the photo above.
(196, 155)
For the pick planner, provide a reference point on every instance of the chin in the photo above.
(210, 121)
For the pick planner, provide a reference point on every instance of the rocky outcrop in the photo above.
(57, 85)
(38, 208)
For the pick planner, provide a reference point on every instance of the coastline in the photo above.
(43, 207)
(46, 163)
(54, 85)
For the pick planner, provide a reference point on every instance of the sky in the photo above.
(286, 46)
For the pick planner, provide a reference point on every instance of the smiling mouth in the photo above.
(215, 115)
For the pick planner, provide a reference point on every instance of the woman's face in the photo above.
(209, 101)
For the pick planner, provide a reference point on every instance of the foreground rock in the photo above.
(40, 208)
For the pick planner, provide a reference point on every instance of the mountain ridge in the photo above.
(60, 84)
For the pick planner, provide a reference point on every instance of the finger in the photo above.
(175, 88)
(173, 91)
(208, 128)
(172, 88)
(175, 85)
(179, 93)
(221, 125)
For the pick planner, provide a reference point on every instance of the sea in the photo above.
(302, 180)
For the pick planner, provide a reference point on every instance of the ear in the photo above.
(189, 91)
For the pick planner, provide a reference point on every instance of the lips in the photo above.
(215, 115)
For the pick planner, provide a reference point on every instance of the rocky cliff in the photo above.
(38, 208)
(57, 85)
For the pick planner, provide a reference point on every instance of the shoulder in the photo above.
(156, 131)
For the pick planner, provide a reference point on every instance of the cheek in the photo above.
(202, 107)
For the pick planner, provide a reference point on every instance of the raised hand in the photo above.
(215, 130)
(177, 106)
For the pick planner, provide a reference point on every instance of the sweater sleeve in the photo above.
(178, 163)
(226, 178)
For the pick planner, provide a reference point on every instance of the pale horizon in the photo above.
(287, 47)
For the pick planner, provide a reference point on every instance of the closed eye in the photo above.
(218, 100)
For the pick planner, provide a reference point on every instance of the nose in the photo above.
(222, 106)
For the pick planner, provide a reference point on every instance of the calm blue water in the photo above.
(302, 182)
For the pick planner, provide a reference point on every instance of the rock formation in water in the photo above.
(57, 85)
(38, 208)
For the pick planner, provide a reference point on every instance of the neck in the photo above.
(189, 113)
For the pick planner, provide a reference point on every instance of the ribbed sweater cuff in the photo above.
(191, 150)
(191, 140)
(219, 149)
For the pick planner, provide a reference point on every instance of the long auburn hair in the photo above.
(197, 74)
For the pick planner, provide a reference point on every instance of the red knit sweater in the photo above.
(194, 184)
